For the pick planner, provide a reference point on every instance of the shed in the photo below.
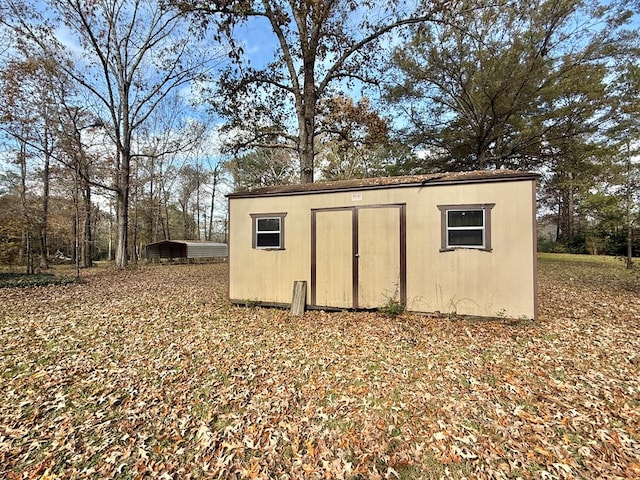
(454, 243)
(185, 249)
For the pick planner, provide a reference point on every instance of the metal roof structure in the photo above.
(186, 249)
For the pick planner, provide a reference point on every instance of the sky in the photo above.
(260, 42)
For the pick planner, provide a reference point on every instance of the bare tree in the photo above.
(77, 139)
(28, 114)
(126, 56)
(216, 172)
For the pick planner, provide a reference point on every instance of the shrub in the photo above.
(392, 308)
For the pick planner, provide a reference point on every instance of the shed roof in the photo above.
(193, 243)
(478, 176)
(186, 249)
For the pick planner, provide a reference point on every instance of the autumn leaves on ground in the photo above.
(150, 373)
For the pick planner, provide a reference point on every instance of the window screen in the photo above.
(268, 230)
(466, 226)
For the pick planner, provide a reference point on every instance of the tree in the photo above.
(262, 168)
(625, 140)
(11, 226)
(573, 168)
(216, 175)
(189, 180)
(167, 141)
(82, 164)
(322, 45)
(497, 92)
(29, 116)
(209, 175)
(131, 55)
(351, 137)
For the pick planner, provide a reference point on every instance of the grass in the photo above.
(34, 280)
(592, 271)
(575, 259)
(151, 372)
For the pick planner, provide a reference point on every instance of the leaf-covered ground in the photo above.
(150, 373)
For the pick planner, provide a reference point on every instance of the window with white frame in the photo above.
(466, 226)
(268, 230)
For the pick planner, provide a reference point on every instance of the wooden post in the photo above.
(299, 297)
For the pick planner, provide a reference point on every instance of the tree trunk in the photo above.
(110, 246)
(122, 231)
(307, 130)
(481, 157)
(306, 154)
(151, 216)
(123, 176)
(570, 217)
(213, 198)
(26, 227)
(30, 269)
(122, 208)
(185, 221)
(95, 218)
(197, 235)
(629, 261)
(44, 263)
(87, 240)
(74, 231)
(166, 228)
(134, 226)
(629, 201)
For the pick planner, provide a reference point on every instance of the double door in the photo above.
(358, 256)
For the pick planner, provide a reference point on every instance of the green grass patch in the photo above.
(576, 259)
(590, 271)
(34, 280)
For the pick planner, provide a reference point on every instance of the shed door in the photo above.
(358, 256)
(332, 267)
(378, 256)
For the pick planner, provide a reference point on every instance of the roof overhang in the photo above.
(483, 176)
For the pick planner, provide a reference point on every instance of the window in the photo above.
(268, 230)
(466, 226)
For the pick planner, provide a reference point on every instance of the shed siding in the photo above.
(500, 282)
(206, 250)
(185, 249)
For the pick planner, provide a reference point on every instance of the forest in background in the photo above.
(124, 122)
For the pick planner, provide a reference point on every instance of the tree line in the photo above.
(123, 121)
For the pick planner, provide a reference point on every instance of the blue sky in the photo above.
(260, 42)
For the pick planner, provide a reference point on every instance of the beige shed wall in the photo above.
(471, 281)
(464, 281)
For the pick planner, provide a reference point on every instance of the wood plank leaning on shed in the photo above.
(299, 297)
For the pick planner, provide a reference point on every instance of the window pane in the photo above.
(268, 224)
(466, 218)
(465, 238)
(268, 240)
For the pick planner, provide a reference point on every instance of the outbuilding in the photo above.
(185, 250)
(454, 243)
